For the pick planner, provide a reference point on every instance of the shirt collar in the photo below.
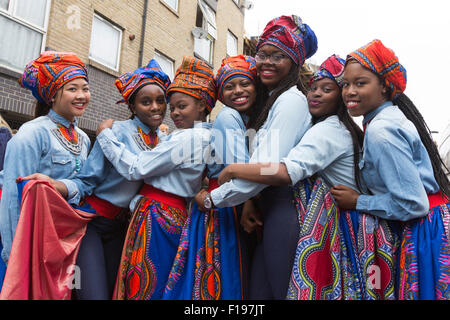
(143, 126)
(60, 119)
(205, 125)
(368, 117)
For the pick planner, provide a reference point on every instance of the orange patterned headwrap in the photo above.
(383, 62)
(195, 78)
(45, 75)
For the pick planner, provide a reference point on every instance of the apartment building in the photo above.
(111, 37)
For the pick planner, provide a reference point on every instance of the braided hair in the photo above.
(412, 113)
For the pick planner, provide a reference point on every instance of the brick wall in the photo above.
(167, 31)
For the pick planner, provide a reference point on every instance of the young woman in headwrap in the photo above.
(280, 119)
(327, 155)
(210, 242)
(52, 143)
(172, 172)
(402, 168)
(102, 190)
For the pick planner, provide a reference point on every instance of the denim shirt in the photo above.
(98, 175)
(228, 140)
(287, 122)
(36, 147)
(326, 149)
(395, 167)
(176, 165)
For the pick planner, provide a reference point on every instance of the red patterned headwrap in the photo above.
(291, 35)
(45, 75)
(383, 62)
(195, 78)
(237, 66)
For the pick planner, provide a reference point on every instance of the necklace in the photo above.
(146, 141)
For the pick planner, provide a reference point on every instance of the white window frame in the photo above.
(9, 13)
(231, 34)
(209, 25)
(119, 47)
(176, 4)
(159, 55)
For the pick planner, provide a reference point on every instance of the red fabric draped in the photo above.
(45, 246)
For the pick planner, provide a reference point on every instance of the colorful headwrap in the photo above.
(195, 78)
(383, 62)
(130, 82)
(45, 75)
(291, 35)
(232, 67)
(333, 68)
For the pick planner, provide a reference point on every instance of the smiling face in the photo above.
(185, 110)
(239, 93)
(271, 73)
(72, 99)
(149, 105)
(362, 89)
(323, 97)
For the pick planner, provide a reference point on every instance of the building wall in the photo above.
(167, 31)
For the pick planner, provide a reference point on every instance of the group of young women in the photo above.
(336, 212)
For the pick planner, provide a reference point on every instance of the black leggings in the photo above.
(274, 255)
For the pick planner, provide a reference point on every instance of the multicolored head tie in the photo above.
(131, 82)
(52, 70)
(333, 68)
(291, 35)
(195, 78)
(233, 67)
(383, 62)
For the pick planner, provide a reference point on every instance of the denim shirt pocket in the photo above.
(61, 166)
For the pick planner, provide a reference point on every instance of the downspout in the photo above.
(144, 25)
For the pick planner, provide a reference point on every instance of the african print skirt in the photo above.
(150, 246)
(340, 255)
(424, 259)
(208, 262)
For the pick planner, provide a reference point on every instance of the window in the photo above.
(23, 25)
(106, 42)
(166, 64)
(172, 3)
(206, 19)
(232, 44)
(236, 1)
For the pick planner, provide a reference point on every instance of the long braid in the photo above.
(261, 112)
(357, 138)
(410, 111)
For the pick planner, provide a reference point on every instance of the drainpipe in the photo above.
(144, 24)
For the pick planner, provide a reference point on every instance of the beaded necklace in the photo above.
(146, 141)
(68, 138)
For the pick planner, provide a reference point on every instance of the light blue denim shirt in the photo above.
(228, 140)
(395, 167)
(176, 165)
(287, 122)
(38, 146)
(98, 175)
(326, 149)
